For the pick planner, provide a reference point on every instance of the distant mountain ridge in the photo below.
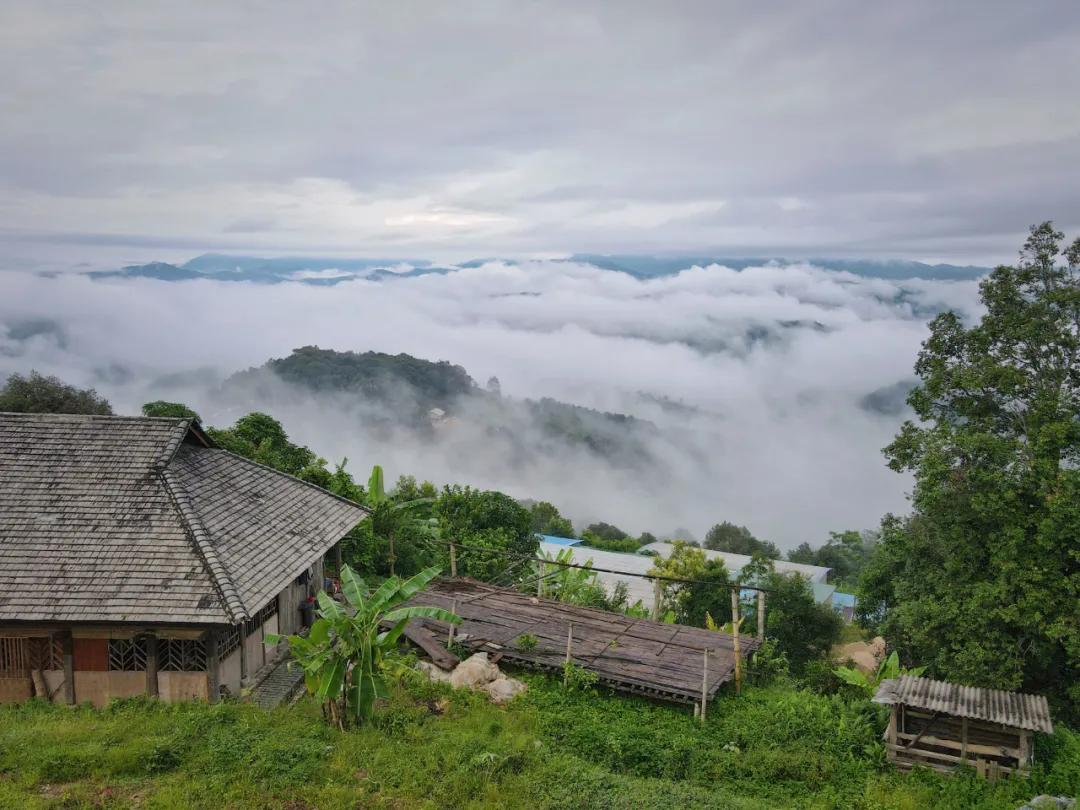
(330, 271)
(440, 400)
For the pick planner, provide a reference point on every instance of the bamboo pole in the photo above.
(735, 638)
(541, 570)
(453, 559)
(656, 591)
(704, 683)
(760, 615)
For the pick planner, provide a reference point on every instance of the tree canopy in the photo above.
(36, 393)
(738, 540)
(982, 581)
(160, 407)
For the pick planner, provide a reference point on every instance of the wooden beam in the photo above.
(963, 746)
(152, 666)
(657, 592)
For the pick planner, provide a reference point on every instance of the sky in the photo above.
(156, 130)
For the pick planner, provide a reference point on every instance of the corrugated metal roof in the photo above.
(992, 705)
(558, 541)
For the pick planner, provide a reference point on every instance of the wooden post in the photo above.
(152, 666)
(453, 559)
(890, 735)
(704, 683)
(213, 669)
(656, 594)
(760, 615)
(735, 638)
(337, 558)
(244, 663)
(697, 710)
(67, 645)
(542, 570)
(569, 648)
(450, 632)
(1025, 750)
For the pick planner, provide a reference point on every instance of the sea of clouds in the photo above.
(773, 363)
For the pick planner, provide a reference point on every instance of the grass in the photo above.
(775, 747)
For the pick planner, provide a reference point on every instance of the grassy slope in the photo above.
(435, 749)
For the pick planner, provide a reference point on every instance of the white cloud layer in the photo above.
(775, 360)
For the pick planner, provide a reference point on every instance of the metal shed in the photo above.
(941, 725)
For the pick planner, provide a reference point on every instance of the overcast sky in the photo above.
(917, 129)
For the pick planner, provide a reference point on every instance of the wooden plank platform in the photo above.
(663, 661)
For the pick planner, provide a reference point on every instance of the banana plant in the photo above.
(342, 654)
(389, 518)
(887, 669)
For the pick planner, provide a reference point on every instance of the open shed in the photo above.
(664, 661)
(940, 725)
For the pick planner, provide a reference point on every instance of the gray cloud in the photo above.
(919, 129)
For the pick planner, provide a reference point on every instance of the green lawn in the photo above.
(772, 747)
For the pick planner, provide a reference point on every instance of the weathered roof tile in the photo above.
(135, 519)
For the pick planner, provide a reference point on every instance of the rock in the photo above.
(865, 655)
(1049, 803)
(433, 672)
(503, 689)
(474, 671)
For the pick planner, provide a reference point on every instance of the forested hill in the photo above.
(372, 373)
(438, 399)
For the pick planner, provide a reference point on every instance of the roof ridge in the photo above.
(230, 597)
(172, 445)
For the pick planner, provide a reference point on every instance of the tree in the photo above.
(485, 519)
(709, 594)
(738, 540)
(262, 438)
(547, 520)
(803, 630)
(605, 531)
(845, 553)
(391, 519)
(981, 582)
(160, 407)
(343, 654)
(36, 393)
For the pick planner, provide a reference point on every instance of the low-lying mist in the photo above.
(765, 395)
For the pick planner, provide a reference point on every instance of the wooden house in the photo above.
(138, 558)
(940, 725)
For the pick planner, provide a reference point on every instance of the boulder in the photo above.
(475, 671)
(865, 655)
(503, 689)
(433, 672)
(1050, 803)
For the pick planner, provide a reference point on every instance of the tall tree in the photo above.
(982, 582)
(36, 393)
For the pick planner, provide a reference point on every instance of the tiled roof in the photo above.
(107, 518)
(992, 705)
